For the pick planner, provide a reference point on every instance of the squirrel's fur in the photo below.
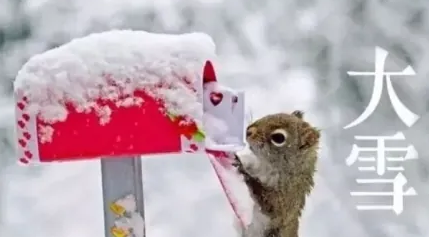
(281, 175)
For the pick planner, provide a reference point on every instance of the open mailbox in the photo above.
(118, 95)
(122, 94)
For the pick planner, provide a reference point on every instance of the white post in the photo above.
(122, 176)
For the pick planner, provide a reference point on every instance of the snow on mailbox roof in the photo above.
(79, 71)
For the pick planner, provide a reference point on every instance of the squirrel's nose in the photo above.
(250, 131)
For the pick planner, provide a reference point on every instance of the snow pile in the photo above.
(113, 65)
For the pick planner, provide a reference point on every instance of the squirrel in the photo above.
(281, 175)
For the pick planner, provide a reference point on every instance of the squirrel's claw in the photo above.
(236, 161)
(239, 165)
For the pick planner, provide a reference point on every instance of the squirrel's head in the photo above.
(282, 136)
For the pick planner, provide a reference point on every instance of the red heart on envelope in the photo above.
(216, 98)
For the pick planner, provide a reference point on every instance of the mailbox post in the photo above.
(121, 177)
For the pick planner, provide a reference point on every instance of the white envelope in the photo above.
(223, 118)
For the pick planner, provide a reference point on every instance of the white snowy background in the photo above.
(286, 54)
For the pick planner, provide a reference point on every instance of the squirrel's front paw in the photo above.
(241, 168)
(237, 162)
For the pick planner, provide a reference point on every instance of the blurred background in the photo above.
(286, 54)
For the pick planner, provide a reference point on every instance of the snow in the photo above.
(112, 65)
(45, 133)
(104, 113)
(129, 102)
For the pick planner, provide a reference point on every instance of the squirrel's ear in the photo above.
(309, 136)
(298, 114)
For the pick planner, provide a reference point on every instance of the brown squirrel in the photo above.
(281, 174)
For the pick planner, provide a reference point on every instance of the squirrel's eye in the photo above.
(278, 137)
